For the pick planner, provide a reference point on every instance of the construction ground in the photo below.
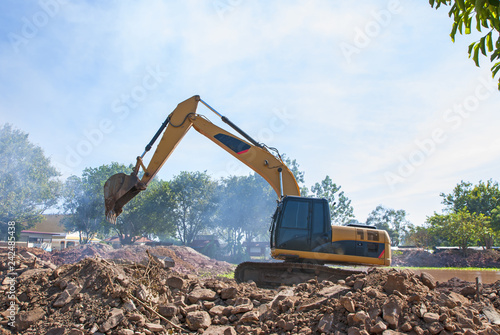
(133, 290)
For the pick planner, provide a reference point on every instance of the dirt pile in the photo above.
(186, 259)
(96, 295)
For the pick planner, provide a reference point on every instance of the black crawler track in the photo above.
(287, 273)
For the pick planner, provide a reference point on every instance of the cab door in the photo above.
(321, 229)
(293, 231)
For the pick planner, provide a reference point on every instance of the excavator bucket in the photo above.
(119, 189)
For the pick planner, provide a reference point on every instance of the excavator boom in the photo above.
(121, 188)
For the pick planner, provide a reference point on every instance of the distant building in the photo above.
(258, 249)
(50, 234)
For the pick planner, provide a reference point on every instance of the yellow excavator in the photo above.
(302, 235)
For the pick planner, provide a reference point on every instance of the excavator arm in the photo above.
(121, 188)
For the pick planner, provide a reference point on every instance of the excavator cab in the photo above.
(301, 231)
(301, 224)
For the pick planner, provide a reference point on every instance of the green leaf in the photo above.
(482, 45)
(489, 42)
(453, 32)
(480, 8)
(461, 4)
(470, 48)
(476, 54)
(495, 69)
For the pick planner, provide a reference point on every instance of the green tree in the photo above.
(341, 211)
(391, 220)
(194, 207)
(461, 228)
(28, 182)
(481, 198)
(420, 237)
(484, 14)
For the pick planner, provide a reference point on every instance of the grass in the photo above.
(229, 275)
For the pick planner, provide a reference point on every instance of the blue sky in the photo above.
(372, 93)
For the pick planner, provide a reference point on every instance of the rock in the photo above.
(282, 295)
(116, 316)
(428, 280)
(228, 293)
(391, 332)
(285, 325)
(250, 316)
(325, 323)
(76, 332)
(168, 310)
(359, 284)
(421, 310)
(348, 304)
(220, 330)
(453, 299)
(230, 331)
(312, 303)
(56, 331)
(333, 290)
(201, 294)
(129, 306)
(435, 328)
(217, 310)
(136, 317)
(67, 295)
(468, 290)
(391, 312)
(125, 332)
(198, 319)
(377, 328)
(176, 282)
(406, 327)
(242, 305)
(395, 283)
(360, 316)
(154, 327)
(26, 318)
(431, 317)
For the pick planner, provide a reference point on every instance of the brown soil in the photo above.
(97, 292)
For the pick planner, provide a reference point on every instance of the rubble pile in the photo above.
(186, 259)
(99, 296)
